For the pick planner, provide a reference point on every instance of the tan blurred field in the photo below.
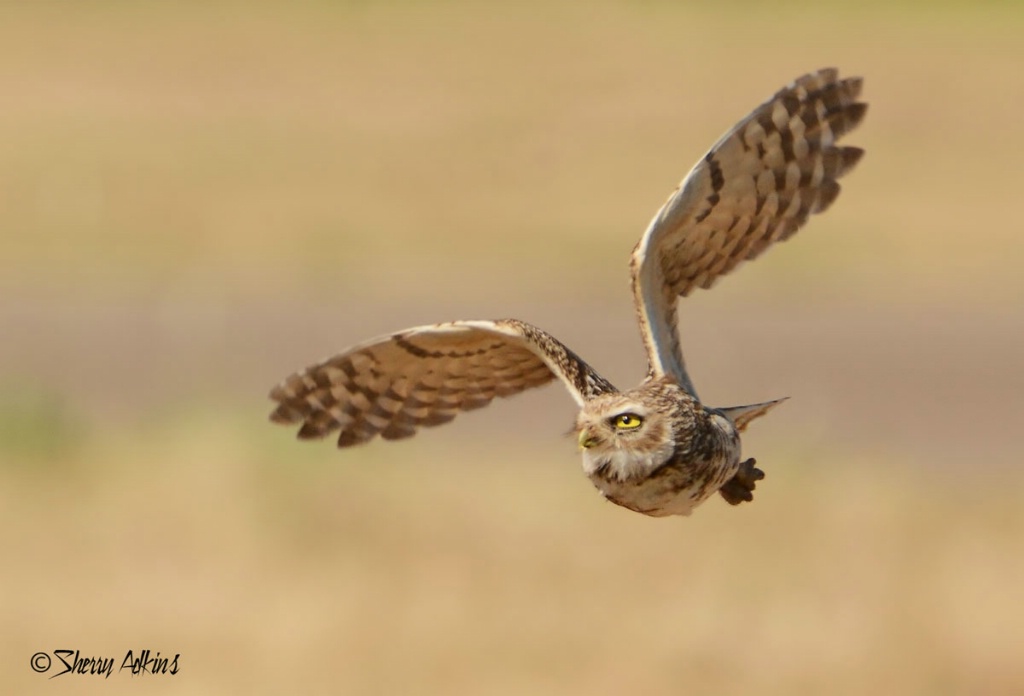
(196, 199)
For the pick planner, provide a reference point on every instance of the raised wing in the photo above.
(393, 385)
(757, 185)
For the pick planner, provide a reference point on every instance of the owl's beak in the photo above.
(587, 439)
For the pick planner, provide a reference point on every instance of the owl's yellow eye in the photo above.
(627, 421)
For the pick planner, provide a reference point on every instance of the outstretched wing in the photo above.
(424, 376)
(757, 185)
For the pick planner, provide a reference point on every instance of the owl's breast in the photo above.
(674, 489)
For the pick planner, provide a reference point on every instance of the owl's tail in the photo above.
(742, 415)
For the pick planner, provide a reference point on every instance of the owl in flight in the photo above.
(655, 449)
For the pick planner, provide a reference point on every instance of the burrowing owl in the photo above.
(654, 449)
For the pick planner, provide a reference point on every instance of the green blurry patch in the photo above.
(37, 427)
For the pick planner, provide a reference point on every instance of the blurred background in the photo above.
(197, 199)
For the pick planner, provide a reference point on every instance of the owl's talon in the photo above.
(740, 488)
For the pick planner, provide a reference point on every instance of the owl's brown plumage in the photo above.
(757, 185)
(654, 449)
(424, 376)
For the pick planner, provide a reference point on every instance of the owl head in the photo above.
(626, 435)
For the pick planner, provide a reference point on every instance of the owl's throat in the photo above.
(623, 464)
